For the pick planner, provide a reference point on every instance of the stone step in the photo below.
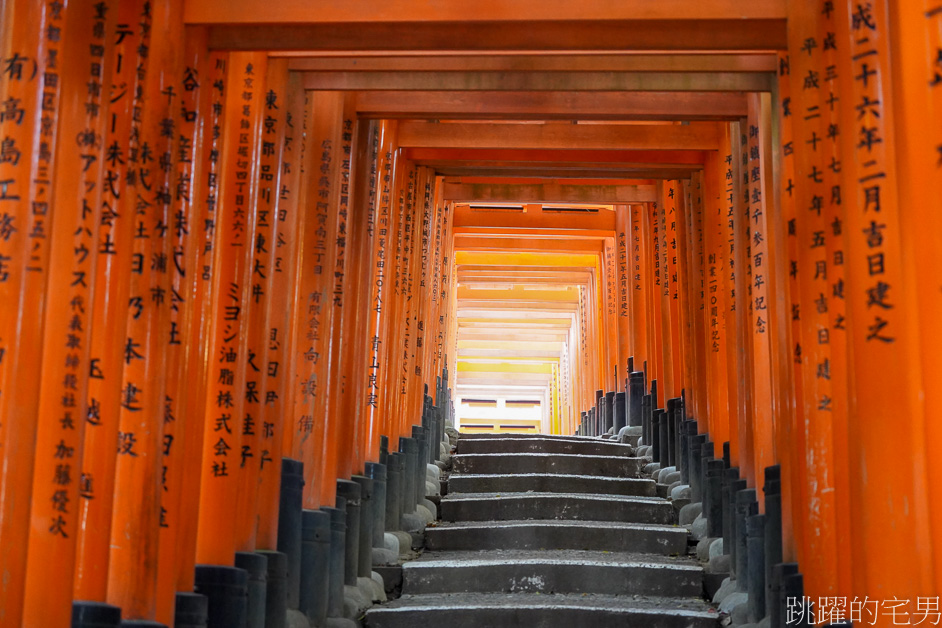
(563, 571)
(545, 445)
(569, 464)
(571, 506)
(531, 610)
(613, 536)
(499, 435)
(549, 483)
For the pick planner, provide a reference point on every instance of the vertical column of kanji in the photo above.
(68, 295)
(675, 254)
(716, 260)
(445, 323)
(252, 91)
(780, 342)
(289, 208)
(29, 101)
(731, 204)
(594, 312)
(622, 234)
(738, 390)
(636, 301)
(697, 295)
(742, 233)
(682, 265)
(341, 413)
(612, 372)
(327, 155)
(432, 333)
(288, 105)
(394, 326)
(789, 439)
(109, 310)
(449, 293)
(427, 360)
(411, 388)
(586, 397)
(877, 317)
(400, 309)
(668, 354)
(206, 190)
(362, 227)
(916, 54)
(425, 232)
(185, 372)
(410, 254)
(448, 320)
(779, 305)
(809, 233)
(299, 436)
(835, 369)
(220, 477)
(266, 148)
(136, 516)
(652, 235)
(699, 199)
(759, 296)
(601, 369)
(376, 328)
(685, 264)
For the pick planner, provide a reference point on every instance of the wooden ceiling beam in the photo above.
(563, 173)
(548, 193)
(393, 11)
(605, 34)
(541, 81)
(523, 279)
(539, 156)
(692, 136)
(553, 243)
(495, 105)
(601, 221)
(632, 62)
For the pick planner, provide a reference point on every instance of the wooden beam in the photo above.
(557, 242)
(563, 173)
(606, 35)
(506, 278)
(693, 136)
(548, 193)
(563, 156)
(543, 260)
(509, 105)
(545, 220)
(541, 81)
(539, 63)
(516, 323)
(504, 353)
(394, 11)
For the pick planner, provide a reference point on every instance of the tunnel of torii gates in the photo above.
(233, 233)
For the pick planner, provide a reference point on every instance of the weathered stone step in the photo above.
(498, 435)
(570, 464)
(530, 610)
(515, 506)
(614, 536)
(550, 483)
(546, 445)
(563, 571)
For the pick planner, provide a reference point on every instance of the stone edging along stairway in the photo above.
(550, 531)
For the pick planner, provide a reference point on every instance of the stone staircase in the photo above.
(550, 531)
